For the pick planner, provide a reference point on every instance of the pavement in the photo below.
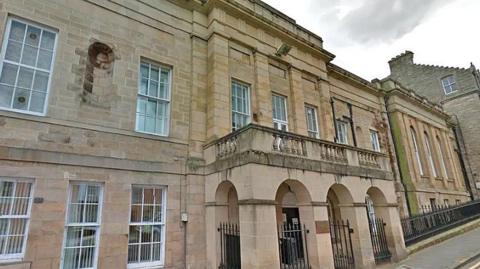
(454, 253)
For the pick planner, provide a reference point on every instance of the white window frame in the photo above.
(430, 155)
(246, 87)
(167, 100)
(280, 123)
(416, 150)
(342, 132)
(89, 224)
(50, 71)
(449, 84)
(375, 140)
(314, 133)
(161, 262)
(19, 256)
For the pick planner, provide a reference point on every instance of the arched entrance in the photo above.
(227, 220)
(295, 220)
(340, 230)
(377, 216)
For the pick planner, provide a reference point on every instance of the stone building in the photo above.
(131, 130)
(426, 151)
(457, 90)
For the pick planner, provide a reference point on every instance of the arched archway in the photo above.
(381, 226)
(295, 218)
(337, 195)
(226, 199)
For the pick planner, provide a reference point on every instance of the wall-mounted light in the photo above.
(283, 50)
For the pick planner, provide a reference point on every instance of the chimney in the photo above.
(405, 58)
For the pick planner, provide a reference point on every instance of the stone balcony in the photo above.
(263, 145)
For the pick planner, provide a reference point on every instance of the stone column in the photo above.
(322, 236)
(218, 91)
(214, 214)
(356, 214)
(298, 101)
(393, 230)
(327, 131)
(262, 93)
(258, 236)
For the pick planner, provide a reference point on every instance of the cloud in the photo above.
(368, 21)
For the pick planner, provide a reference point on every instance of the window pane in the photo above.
(17, 31)
(29, 56)
(40, 82)
(154, 74)
(74, 235)
(37, 102)
(133, 253)
(153, 89)
(150, 124)
(89, 234)
(44, 59)
(71, 258)
(20, 206)
(144, 70)
(136, 213)
(25, 78)
(13, 52)
(144, 86)
(9, 74)
(157, 233)
(151, 108)
(140, 124)
(21, 98)
(33, 36)
(147, 213)
(145, 253)
(134, 234)
(136, 195)
(6, 93)
(48, 40)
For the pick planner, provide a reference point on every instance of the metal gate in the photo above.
(292, 243)
(340, 234)
(379, 240)
(229, 246)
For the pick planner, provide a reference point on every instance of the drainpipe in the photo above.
(409, 207)
(332, 103)
(351, 124)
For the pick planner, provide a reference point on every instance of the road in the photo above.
(446, 255)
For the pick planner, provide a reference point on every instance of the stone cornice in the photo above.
(354, 78)
(302, 37)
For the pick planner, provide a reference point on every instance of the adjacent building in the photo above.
(426, 151)
(457, 91)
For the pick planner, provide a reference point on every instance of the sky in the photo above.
(365, 34)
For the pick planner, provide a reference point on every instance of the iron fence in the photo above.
(379, 240)
(340, 234)
(292, 242)
(436, 219)
(229, 246)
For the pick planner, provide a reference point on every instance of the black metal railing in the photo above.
(379, 240)
(229, 246)
(340, 234)
(437, 219)
(292, 243)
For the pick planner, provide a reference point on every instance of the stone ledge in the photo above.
(50, 157)
(285, 161)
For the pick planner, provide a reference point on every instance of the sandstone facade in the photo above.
(251, 177)
(426, 151)
(460, 103)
